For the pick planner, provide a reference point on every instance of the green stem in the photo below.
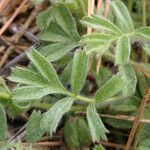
(78, 97)
(82, 6)
(100, 106)
(144, 55)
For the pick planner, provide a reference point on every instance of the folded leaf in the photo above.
(122, 15)
(3, 124)
(123, 50)
(33, 131)
(111, 88)
(100, 23)
(129, 79)
(79, 71)
(143, 32)
(64, 18)
(46, 69)
(52, 117)
(97, 128)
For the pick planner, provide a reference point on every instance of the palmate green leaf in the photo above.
(143, 32)
(129, 79)
(64, 18)
(52, 117)
(56, 51)
(44, 18)
(46, 69)
(79, 71)
(39, 82)
(3, 124)
(97, 128)
(33, 131)
(100, 23)
(54, 33)
(111, 88)
(123, 50)
(122, 15)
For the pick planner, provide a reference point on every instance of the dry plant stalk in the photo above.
(99, 58)
(26, 25)
(7, 24)
(3, 5)
(138, 118)
(91, 4)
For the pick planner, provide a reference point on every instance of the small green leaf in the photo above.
(143, 32)
(44, 18)
(3, 124)
(100, 23)
(33, 131)
(27, 93)
(51, 118)
(54, 33)
(97, 128)
(111, 88)
(79, 71)
(25, 76)
(56, 51)
(83, 131)
(71, 134)
(64, 18)
(46, 69)
(123, 50)
(129, 79)
(122, 15)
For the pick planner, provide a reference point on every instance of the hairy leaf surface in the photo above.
(111, 88)
(129, 79)
(79, 71)
(33, 131)
(52, 117)
(100, 23)
(123, 50)
(97, 128)
(122, 15)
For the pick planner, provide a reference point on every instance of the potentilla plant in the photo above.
(60, 38)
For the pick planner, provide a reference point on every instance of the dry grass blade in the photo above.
(138, 118)
(7, 24)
